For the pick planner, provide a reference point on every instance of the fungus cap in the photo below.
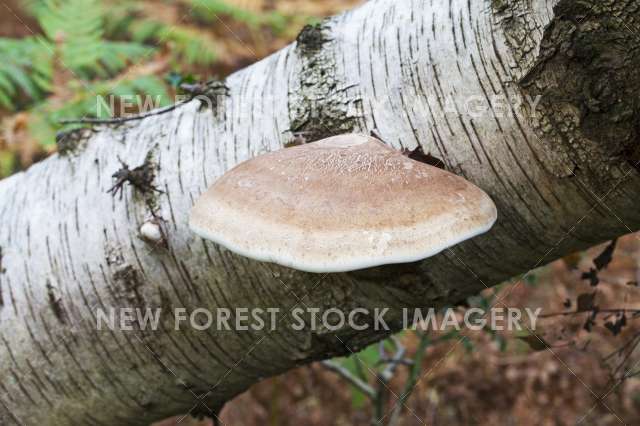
(340, 204)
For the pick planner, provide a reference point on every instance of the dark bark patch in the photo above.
(321, 103)
(500, 6)
(126, 278)
(140, 178)
(211, 94)
(418, 154)
(72, 141)
(588, 77)
(632, 153)
(519, 28)
(297, 139)
(311, 38)
(55, 303)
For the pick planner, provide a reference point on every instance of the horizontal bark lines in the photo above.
(405, 68)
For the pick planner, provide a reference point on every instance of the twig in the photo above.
(411, 381)
(387, 360)
(396, 360)
(384, 377)
(626, 357)
(207, 90)
(346, 374)
(620, 350)
(600, 311)
(119, 120)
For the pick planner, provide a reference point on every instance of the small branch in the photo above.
(411, 381)
(395, 361)
(346, 374)
(620, 350)
(384, 377)
(600, 311)
(629, 349)
(119, 120)
(206, 92)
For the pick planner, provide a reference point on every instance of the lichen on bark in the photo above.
(320, 102)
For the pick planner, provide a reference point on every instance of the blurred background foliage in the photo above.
(58, 55)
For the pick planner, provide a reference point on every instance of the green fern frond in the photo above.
(187, 45)
(116, 55)
(190, 46)
(76, 24)
(94, 101)
(150, 86)
(119, 17)
(77, 29)
(146, 30)
(25, 70)
(211, 10)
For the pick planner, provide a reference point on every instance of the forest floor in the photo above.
(575, 377)
(484, 379)
(497, 380)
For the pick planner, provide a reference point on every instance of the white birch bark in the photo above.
(69, 248)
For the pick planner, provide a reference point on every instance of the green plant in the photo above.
(187, 45)
(25, 71)
(190, 46)
(73, 39)
(8, 163)
(96, 100)
(88, 43)
(76, 29)
(211, 10)
(370, 371)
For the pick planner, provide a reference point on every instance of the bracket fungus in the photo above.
(340, 204)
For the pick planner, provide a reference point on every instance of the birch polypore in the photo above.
(561, 163)
(344, 203)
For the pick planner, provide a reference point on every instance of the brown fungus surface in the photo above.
(344, 203)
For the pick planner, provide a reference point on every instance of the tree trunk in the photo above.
(561, 165)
